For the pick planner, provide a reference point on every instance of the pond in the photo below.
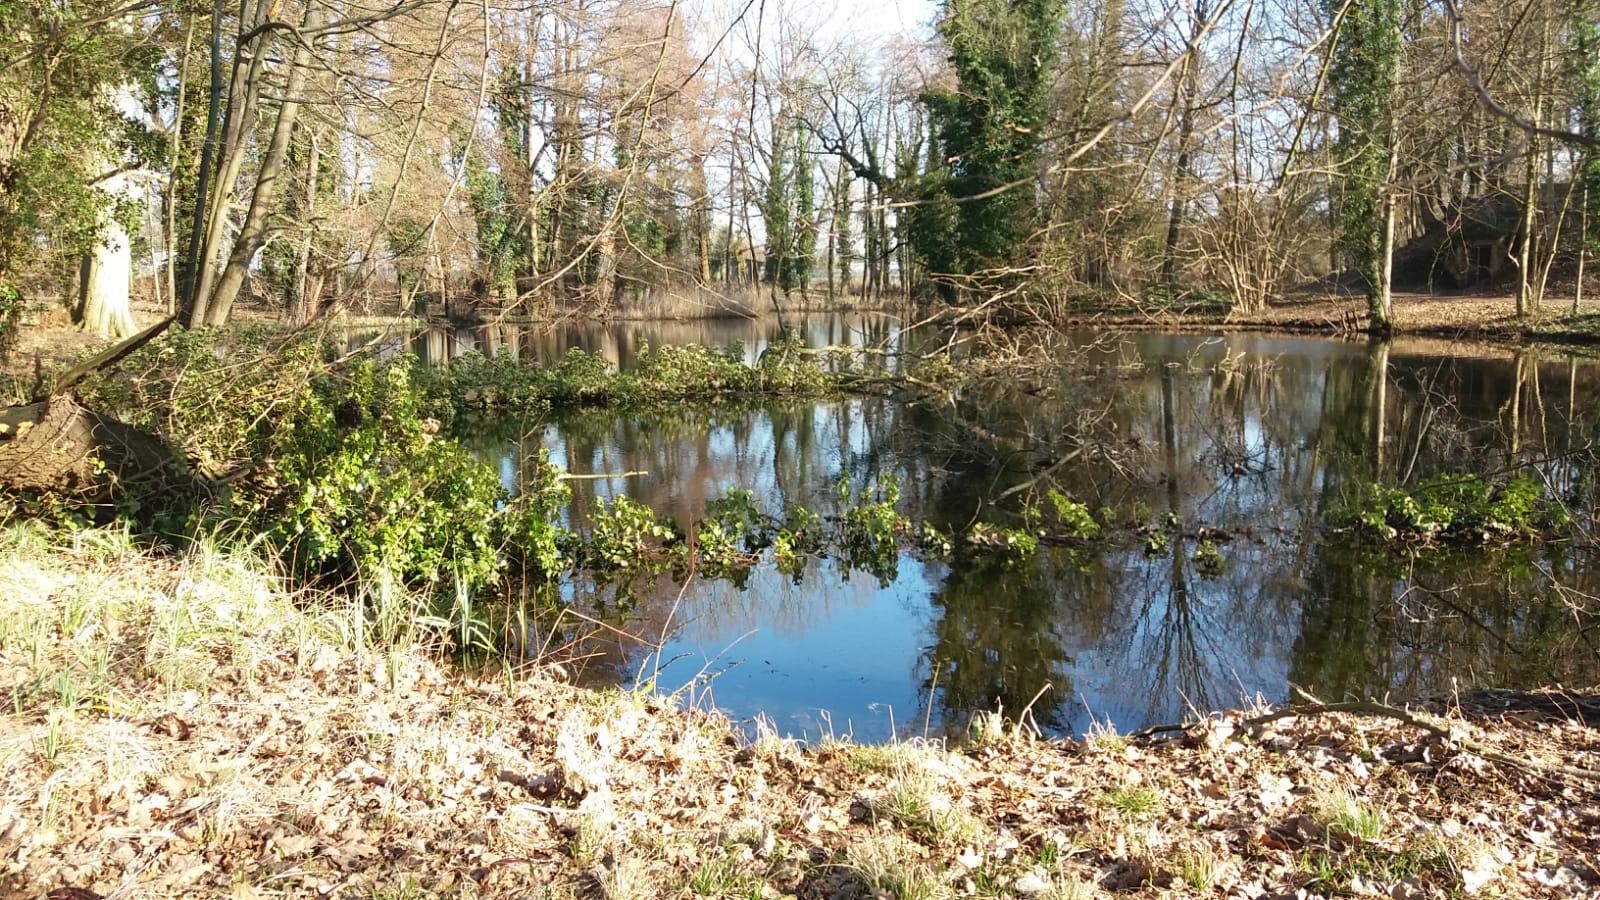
(1246, 441)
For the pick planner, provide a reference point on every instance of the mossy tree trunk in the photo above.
(1364, 81)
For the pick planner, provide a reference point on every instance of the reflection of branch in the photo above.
(1047, 473)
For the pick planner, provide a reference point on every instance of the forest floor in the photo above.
(1458, 316)
(180, 726)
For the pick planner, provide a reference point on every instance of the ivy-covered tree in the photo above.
(978, 193)
(1363, 80)
(502, 246)
(789, 210)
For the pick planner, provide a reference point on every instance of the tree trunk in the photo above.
(300, 301)
(170, 192)
(1528, 292)
(242, 97)
(1180, 178)
(1382, 302)
(253, 234)
(208, 155)
(107, 271)
(1583, 242)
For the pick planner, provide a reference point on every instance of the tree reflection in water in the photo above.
(1245, 442)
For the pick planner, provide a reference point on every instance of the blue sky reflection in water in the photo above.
(1251, 439)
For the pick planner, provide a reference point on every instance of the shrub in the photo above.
(1451, 507)
(674, 372)
(870, 530)
(369, 488)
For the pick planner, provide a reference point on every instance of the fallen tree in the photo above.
(54, 447)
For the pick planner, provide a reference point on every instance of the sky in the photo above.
(864, 19)
(885, 17)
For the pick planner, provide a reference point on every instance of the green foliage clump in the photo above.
(732, 528)
(1073, 518)
(339, 465)
(799, 537)
(474, 381)
(786, 368)
(933, 541)
(1014, 543)
(530, 522)
(1451, 508)
(1208, 559)
(675, 372)
(586, 379)
(625, 534)
(870, 529)
(371, 490)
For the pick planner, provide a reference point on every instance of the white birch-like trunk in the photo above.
(107, 272)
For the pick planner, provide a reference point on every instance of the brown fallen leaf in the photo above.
(173, 727)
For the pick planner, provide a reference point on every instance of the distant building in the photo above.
(1472, 244)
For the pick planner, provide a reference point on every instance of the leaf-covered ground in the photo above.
(180, 727)
(1486, 316)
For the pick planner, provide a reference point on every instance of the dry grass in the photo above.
(180, 726)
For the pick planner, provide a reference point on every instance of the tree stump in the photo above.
(56, 447)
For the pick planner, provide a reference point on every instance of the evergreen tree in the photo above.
(978, 194)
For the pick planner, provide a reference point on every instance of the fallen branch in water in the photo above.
(568, 476)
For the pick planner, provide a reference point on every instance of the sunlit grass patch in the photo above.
(887, 863)
(884, 757)
(1201, 869)
(1135, 801)
(1103, 737)
(916, 794)
(723, 876)
(917, 801)
(1341, 813)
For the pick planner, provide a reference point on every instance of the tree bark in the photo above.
(107, 272)
(253, 234)
(208, 155)
(1181, 174)
(242, 96)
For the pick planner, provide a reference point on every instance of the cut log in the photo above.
(56, 447)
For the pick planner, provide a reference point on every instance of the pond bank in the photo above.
(54, 342)
(1454, 317)
(181, 725)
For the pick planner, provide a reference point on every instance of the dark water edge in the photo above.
(1245, 440)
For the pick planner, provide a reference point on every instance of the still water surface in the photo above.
(1252, 438)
